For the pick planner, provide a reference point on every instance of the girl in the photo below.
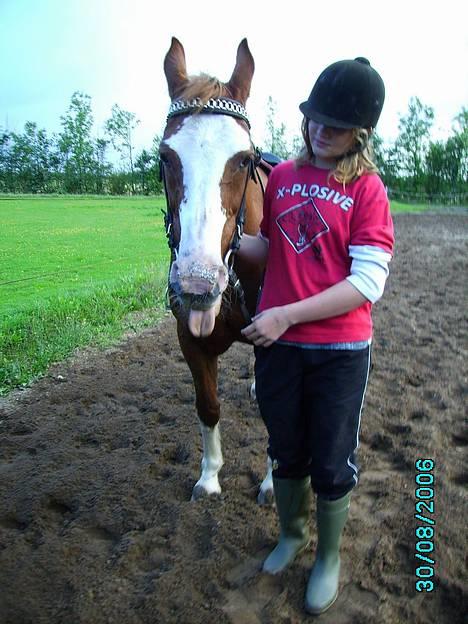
(326, 239)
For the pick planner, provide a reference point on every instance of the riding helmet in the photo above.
(347, 94)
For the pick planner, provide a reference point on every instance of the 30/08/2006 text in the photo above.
(424, 532)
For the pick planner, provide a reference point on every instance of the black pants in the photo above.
(311, 402)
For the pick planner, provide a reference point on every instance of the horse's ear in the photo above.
(175, 68)
(241, 79)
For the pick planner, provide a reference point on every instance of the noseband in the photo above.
(231, 108)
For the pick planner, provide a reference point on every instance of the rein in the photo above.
(223, 106)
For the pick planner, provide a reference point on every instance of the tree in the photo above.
(412, 143)
(447, 163)
(6, 173)
(276, 142)
(459, 148)
(436, 169)
(386, 161)
(102, 168)
(120, 127)
(76, 144)
(155, 145)
(147, 164)
(39, 157)
(378, 150)
(26, 160)
(461, 122)
(144, 163)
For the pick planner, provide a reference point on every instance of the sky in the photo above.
(113, 50)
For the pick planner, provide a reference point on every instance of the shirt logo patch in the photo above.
(302, 225)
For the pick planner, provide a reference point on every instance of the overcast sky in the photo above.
(113, 50)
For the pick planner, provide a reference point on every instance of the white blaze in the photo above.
(204, 143)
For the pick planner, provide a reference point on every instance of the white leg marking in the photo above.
(266, 496)
(212, 462)
(253, 394)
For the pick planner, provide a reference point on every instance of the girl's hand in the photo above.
(267, 327)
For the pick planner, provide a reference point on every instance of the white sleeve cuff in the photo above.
(369, 270)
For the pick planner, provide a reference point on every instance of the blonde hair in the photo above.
(350, 166)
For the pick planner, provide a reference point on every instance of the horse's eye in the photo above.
(244, 162)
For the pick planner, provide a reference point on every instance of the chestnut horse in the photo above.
(214, 192)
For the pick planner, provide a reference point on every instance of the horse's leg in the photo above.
(265, 495)
(204, 369)
(211, 464)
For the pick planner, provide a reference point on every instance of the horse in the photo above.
(214, 180)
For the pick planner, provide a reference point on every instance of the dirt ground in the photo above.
(98, 459)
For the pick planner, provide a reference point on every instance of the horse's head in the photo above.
(206, 155)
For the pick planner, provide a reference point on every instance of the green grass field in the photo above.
(75, 271)
(400, 207)
(60, 245)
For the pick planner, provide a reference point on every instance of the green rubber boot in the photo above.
(322, 588)
(293, 498)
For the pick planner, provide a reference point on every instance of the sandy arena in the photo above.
(98, 460)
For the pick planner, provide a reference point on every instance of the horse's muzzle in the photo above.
(196, 285)
(198, 302)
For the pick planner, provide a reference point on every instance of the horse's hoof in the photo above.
(200, 492)
(266, 498)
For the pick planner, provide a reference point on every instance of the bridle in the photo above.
(231, 108)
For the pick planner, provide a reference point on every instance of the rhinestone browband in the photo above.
(223, 106)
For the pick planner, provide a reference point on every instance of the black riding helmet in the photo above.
(347, 94)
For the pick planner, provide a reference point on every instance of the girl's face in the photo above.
(329, 143)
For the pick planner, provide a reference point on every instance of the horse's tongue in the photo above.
(201, 322)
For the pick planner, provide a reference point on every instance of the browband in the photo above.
(222, 106)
